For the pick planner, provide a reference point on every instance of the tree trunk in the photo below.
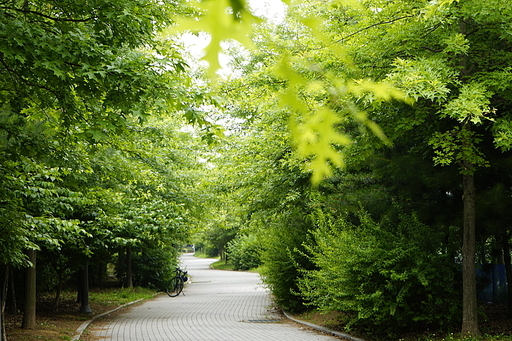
(29, 310)
(508, 271)
(60, 266)
(79, 286)
(102, 272)
(129, 273)
(3, 299)
(469, 299)
(58, 291)
(2, 329)
(84, 290)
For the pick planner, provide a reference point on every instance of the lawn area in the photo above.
(221, 265)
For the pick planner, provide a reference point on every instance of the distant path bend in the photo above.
(217, 306)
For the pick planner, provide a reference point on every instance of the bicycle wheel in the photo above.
(175, 286)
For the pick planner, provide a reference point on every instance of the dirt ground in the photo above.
(495, 320)
(51, 326)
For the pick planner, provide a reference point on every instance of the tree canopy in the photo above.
(93, 161)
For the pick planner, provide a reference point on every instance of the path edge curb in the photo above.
(322, 329)
(80, 330)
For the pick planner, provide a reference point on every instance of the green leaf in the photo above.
(316, 139)
(222, 19)
(472, 104)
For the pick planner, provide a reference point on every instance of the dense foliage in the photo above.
(94, 170)
(387, 277)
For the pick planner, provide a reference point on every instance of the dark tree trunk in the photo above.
(469, 299)
(58, 291)
(13, 304)
(101, 275)
(2, 329)
(508, 270)
(129, 273)
(60, 265)
(84, 290)
(79, 286)
(29, 315)
(3, 299)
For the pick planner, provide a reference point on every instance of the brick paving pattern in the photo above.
(217, 305)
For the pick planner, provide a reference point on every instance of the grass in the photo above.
(199, 254)
(120, 296)
(218, 265)
(222, 265)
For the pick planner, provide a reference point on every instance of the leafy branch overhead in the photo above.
(223, 19)
(316, 98)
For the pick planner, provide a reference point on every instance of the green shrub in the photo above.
(284, 259)
(152, 268)
(244, 252)
(389, 279)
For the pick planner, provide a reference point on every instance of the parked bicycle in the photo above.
(175, 285)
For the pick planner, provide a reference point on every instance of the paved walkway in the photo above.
(217, 305)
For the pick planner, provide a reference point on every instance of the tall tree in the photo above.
(470, 97)
(29, 316)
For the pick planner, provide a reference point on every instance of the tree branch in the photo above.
(431, 49)
(20, 78)
(47, 16)
(373, 25)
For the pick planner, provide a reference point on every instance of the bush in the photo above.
(244, 252)
(284, 259)
(152, 268)
(388, 279)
